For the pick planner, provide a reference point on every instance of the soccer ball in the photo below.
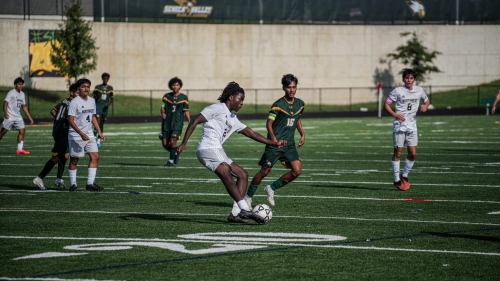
(263, 211)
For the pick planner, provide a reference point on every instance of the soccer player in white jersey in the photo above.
(14, 101)
(219, 122)
(81, 117)
(404, 127)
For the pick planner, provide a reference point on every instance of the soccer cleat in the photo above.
(59, 183)
(73, 188)
(39, 182)
(169, 164)
(22, 151)
(248, 199)
(406, 182)
(237, 219)
(244, 214)
(399, 185)
(270, 194)
(93, 187)
(176, 159)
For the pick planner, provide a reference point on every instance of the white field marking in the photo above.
(224, 215)
(494, 213)
(263, 236)
(49, 255)
(142, 186)
(51, 279)
(168, 245)
(212, 180)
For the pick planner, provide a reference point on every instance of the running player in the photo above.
(283, 120)
(60, 152)
(81, 117)
(174, 107)
(404, 127)
(219, 122)
(104, 97)
(14, 101)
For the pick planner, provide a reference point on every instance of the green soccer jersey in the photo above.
(61, 125)
(175, 106)
(285, 116)
(102, 95)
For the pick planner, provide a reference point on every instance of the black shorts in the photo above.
(60, 145)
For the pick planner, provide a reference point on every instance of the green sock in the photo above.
(251, 190)
(276, 184)
(173, 151)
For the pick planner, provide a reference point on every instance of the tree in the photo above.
(416, 56)
(74, 50)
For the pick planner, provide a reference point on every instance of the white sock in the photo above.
(98, 140)
(395, 170)
(236, 209)
(408, 167)
(171, 160)
(20, 145)
(91, 177)
(243, 205)
(72, 176)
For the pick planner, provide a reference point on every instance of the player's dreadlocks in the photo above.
(231, 89)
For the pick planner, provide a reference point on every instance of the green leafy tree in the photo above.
(416, 56)
(74, 50)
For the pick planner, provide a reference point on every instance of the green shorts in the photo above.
(102, 114)
(60, 145)
(285, 155)
(171, 134)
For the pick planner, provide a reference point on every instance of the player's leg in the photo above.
(38, 181)
(399, 142)
(76, 151)
(91, 150)
(266, 162)
(3, 131)
(411, 145)
(290, 159)
(173, 149)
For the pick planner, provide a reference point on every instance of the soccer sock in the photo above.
(72, 176)
(236, 209)
(173, 151)
(91, 177)
(277, 184)
(46, 169)
(243, 205)
(408, 167)
(395, 170)
(20, 145)
(251, 190)
(60, 167)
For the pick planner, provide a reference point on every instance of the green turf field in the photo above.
(342, 219)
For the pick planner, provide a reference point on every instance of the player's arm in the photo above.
(269, 127)
(95, 122)
(111, 99)
(5, 114)
(495, 103)
(301, 132)
(162, 111)
(187, 115)
(424, 106)
(53, 112)
(26, 111)
(190, 129)
(260, 138)
(71, 122)
(388, 109)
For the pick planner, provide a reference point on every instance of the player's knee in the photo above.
(411, 156)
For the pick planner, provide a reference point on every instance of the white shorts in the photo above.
(212, 158)
(405, 138)
(78, 148)
(10, 123)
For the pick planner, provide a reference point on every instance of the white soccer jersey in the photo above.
(221, 123)
(407, 103)
(83, 110)
(15, 100)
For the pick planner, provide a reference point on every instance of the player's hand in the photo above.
(102, 137)
(181, 148)
(31, 121)
(85, 137)
(164, 115)
(280, 144)
(423, 108)
(301, 141)
(6, 115)
(400, 117)
(493, 110)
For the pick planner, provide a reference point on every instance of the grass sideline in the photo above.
(41, 102)
(342, 219)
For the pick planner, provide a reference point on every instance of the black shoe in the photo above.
(176, 159)
(249, 215)
(237, 219)
(169, 164)
(160, 136)
(93, 187)
(72, 188)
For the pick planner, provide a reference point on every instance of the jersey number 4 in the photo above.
(88, 118)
